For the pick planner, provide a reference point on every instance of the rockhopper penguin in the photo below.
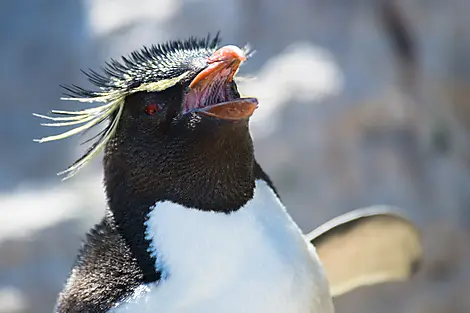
(193, 224)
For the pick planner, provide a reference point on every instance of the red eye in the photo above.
(152, 108)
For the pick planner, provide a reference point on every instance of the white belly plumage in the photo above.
(254, 260)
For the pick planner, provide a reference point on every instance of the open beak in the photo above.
(211, 93)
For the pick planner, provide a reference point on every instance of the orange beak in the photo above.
(213, 83)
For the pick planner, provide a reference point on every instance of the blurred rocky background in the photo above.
(362, 102)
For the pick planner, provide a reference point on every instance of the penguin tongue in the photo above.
(210, 91)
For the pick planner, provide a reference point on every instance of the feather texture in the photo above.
(151, 69)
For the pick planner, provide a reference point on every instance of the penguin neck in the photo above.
(218, 181)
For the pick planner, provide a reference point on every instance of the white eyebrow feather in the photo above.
(136, 73)
(91, 117)
(87, 118)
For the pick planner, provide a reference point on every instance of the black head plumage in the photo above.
(151, 69)
(147, 65)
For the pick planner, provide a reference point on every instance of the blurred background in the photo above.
(362, 102)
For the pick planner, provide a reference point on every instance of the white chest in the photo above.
(254, 260)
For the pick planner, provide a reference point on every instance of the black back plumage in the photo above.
(105, 273)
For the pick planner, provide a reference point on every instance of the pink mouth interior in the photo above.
(215, 92)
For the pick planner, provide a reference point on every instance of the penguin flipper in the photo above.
(105, 273)
(367, 246)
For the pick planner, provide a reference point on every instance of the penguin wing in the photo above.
(367, 246)
(105, 274)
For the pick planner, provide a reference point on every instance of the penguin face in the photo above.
(173, 143)
(165, 152)
(195, 110)
(174, 96)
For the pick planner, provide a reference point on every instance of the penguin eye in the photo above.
(153, 108)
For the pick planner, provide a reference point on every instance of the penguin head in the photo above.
(174, 119)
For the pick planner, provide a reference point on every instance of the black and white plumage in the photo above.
(193, 223)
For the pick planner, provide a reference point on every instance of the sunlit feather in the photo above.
(151, 69)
